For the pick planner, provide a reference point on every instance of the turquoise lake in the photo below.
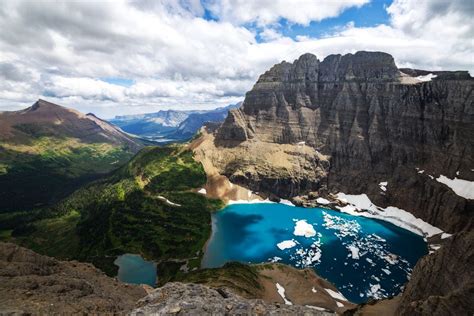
(134, 269)
(363, 257)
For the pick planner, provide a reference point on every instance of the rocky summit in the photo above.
(373, 121)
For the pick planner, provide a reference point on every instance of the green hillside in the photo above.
(145, 207)
(45, 169)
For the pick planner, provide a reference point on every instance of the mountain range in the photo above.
(74, 187)
(47, 151)
(170, 125)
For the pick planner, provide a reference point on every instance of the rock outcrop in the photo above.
(176, 298)
(34, 284)
(443, 282)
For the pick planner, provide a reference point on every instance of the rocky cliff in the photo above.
(373, 121)
(32, 284)
(443, 283)
(348, 123)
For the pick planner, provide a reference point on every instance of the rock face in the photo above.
(374, 122)
(34, 284)
(443, 283)
(195, 299)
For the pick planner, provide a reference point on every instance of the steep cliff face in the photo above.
(441, 285)
(375, 122)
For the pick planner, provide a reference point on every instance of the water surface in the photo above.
(134, 269)
(363, 257)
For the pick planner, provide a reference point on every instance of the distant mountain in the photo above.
(170, 125)
(47, 150)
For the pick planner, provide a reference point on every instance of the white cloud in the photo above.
(178, 60)
(265, 12)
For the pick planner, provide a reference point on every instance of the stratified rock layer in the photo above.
(195, 299)
(34, 284)
(374, 122)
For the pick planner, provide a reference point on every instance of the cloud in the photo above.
(176, 59)
(265, 12)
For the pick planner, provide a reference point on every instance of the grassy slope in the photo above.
(48, 168)
(123, 213)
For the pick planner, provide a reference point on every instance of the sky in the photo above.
(124, 57)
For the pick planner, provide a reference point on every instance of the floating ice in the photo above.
(302, 228)
(286, 244)
(354, 251)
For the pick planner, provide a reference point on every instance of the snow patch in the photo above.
(302, 228)
(339, 304)
(336, 295)
(286, 202)
(426, 78)
(362, 206)
(445, 235)
(314, 290)
(322, 201)
(202, 191)
(316, 307)
(281, 291)
(461, 187)
(162, 198)
(383, 185)
(286, 244)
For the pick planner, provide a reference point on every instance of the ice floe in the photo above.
(281, 291)
(461, 187)
(360, 205)
(354, 251)
(286, 244)
(375, 291)
(275, 259)
(302, 228)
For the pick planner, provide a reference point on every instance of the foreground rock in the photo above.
(195, 299)
(443, 282)
(34, 284)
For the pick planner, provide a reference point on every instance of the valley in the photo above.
(308, 193)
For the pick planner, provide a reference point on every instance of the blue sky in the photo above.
(123, 57)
